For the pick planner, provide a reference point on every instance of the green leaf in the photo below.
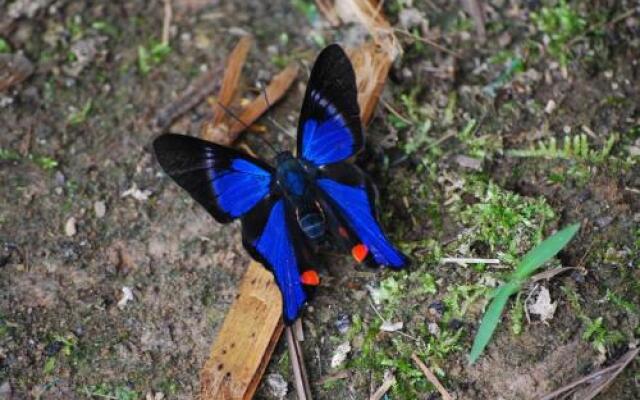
(530, 262)
(49, 365)
(544, 251)
(4, 46)
(491, 318)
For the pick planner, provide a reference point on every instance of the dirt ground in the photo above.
(461, 149)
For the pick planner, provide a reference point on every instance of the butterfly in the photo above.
(291, 210)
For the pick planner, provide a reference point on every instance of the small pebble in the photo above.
(127, 296)
(277, 385)
(434, 329)
(70, 227)
(388, 326)
(550, 107)
(343, 323)
(455, 324)
(100, 209)
(340, 354)
(436, 309)
(53, 348)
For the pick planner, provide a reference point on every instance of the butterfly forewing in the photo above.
(329, 128)
(225, 182)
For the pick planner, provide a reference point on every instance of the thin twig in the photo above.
(207, 83)
(470, 260)
(389, 381)
(396, 112)
(297, 364)
(166, 22)
(546, 275)
(615, 369)
(431, 377)
(595, 27)
(427, 41)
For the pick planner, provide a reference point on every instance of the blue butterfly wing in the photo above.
(349, 192)
(268, 238)
(329, 129)
(224, 181)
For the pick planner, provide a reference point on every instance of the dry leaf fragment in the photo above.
(543, 305)
(231, 78)
(275, 90)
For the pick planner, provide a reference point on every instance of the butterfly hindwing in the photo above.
(350, 193)
(224, 181)
(329, 129)
(267, 236)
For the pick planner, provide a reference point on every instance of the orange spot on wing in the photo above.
(359, 252)
(310, 278)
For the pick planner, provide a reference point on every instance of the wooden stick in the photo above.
(470, 260)
(297, 362)
(246, 340)
(384, 388)
(431, 377)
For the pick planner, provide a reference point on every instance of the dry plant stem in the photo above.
(614, 370)
(274, 92)
(546, 275)
(166, 22)
(431, 377)
(384, 388)
(297, 362)
(246, 340)
(204, 85)
(232, 72)
(428, 41)
(470, 260)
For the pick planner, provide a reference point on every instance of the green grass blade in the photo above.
(544, 251)
(530, 262)
(491, 318)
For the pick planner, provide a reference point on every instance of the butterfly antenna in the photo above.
(234, 116)
(273, 121)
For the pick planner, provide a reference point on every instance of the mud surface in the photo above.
(87, 218)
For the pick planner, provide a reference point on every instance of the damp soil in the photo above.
(87, 216)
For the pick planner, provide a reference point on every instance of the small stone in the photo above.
(343, 323)
(53, 348)
(136, 193)
(340, 354)
(100, 209)
(550, 107)
(127, 296)
(70, 227)
(276, 385)
(411, 17)
(436, 309)
(434, 329)
(469, 162)
(388, 326)
(455, 324)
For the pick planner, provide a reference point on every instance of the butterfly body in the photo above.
(306, 201)
(295, 179)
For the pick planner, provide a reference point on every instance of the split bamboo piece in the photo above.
(246, 340)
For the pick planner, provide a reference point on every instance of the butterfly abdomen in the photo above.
(313, 225)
